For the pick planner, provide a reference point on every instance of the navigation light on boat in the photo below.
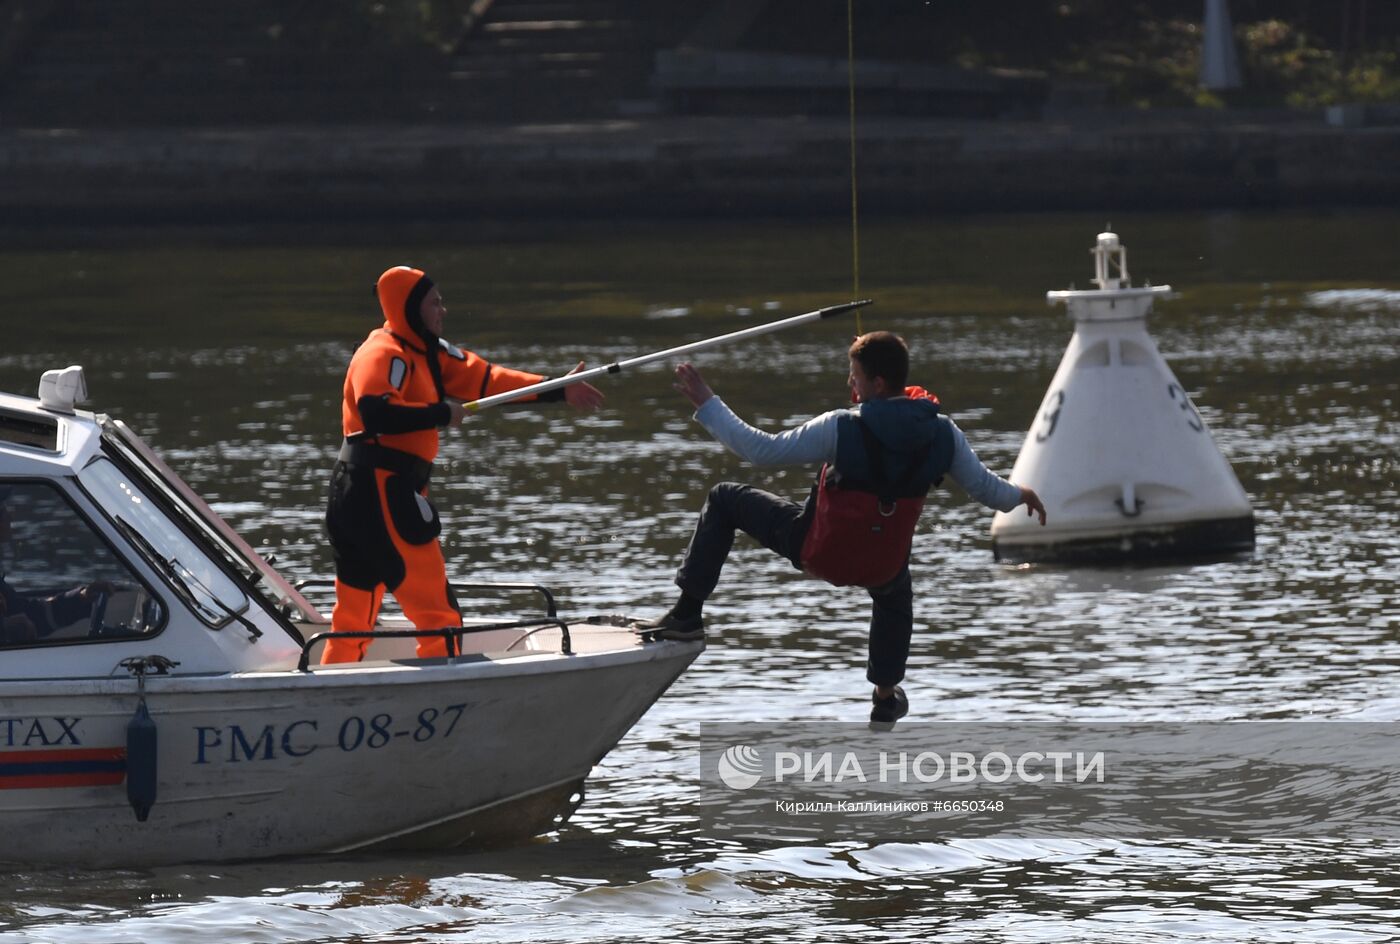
(60, 389)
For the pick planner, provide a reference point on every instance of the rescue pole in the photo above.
(618, 367)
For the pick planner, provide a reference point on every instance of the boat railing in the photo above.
(550, 609)
(451, 634)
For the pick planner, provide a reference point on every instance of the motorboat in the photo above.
(162, 701)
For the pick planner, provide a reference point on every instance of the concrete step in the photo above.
(612, 37)
(504, 10)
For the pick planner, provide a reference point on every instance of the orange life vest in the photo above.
(407, 366)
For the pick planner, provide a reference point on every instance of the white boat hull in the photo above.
(380, 755)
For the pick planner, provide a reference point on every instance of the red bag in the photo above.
(855, 539)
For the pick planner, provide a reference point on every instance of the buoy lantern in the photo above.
(1125, 465)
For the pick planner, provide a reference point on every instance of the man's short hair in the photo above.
(883, 354)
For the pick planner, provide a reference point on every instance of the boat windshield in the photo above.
(214, 531)
(211, 593)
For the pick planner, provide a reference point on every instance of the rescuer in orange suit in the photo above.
(383, 529)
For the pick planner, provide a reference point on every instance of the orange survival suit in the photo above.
(383, 530)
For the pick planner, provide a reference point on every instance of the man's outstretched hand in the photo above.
(691, 385)
(1034, 506)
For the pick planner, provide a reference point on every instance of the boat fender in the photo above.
(141, 753)
(141, 738)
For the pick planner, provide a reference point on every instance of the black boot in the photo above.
(671, 626)
(884, 712)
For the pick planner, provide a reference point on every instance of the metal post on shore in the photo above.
(1220, 66)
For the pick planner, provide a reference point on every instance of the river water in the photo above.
(227, 350)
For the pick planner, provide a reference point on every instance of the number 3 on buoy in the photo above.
(1193, 419)
(1051, 417)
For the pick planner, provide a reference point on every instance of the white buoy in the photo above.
(1118, 453)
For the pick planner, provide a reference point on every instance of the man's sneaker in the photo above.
(671, 626)
(884, 712)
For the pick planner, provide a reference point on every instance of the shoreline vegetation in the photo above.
(1139, 53)
(402, 110)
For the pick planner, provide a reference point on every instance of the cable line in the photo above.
(855, 216)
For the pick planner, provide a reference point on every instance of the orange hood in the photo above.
(401, 291)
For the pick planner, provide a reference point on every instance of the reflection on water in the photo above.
(1287, 337)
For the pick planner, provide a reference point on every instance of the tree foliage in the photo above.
(1143, 52)
(1140, 52)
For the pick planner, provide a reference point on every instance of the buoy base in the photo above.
(1221, 537)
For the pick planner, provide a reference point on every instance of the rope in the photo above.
(855, 216)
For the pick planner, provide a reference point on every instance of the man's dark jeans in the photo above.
(781, 525)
